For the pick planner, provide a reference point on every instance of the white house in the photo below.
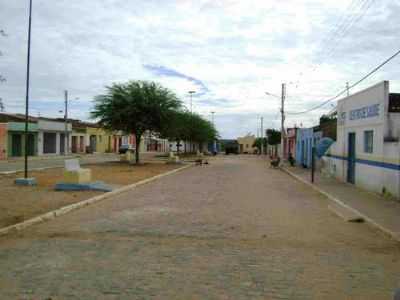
(52, 136)
(367, 150)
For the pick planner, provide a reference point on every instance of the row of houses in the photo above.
(53, 136)
(365, 133)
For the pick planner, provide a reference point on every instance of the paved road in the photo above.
(234, 229)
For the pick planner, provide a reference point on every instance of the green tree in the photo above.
(135, 107)
(202, 130)
(177, 127)
(185, 126)
(273, 137)
(258, 142)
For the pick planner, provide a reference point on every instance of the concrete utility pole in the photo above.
(215, 141)
(348, 89)
(191, 119)
(66, 123)
(282, 118)
(262, 135)
(27, 92)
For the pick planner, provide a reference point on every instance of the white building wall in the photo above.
(374, 171)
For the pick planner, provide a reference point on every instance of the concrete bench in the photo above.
(73, 172)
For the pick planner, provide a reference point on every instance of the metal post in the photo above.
(66, 144)
(191, 120)
(262, 135)
(312, 164)
(27, 92)
(214, 141)
(282, 118)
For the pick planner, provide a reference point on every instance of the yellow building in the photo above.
(246, 144)
(99, 140)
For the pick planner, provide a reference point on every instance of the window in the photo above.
(368, 141)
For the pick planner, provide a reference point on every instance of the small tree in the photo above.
(273, 137)
(202, 130)
(177, 127)
(135, 107)
(260, 141)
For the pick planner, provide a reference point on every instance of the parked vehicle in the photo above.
(124, 148)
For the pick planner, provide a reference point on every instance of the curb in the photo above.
(66, 209)
(394, 235)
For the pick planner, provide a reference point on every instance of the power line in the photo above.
(351, 86)
(335, 36)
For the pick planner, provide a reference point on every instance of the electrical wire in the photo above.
(335, 36)
(351, 86)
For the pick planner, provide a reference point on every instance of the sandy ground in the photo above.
(20, 203)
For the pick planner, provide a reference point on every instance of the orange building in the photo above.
(3, 141)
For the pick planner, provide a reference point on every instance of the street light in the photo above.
(191, 118)
(273, 95)
(191, 95)
(66, 135)
(215, 141)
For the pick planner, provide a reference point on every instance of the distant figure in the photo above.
(275, 162)
(291, 159)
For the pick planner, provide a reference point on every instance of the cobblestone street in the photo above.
(234, 229)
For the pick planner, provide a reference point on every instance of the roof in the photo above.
(9, 117)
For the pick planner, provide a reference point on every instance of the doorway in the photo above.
(16, 145)
(351, 158)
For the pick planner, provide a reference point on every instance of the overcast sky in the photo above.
(229, 52)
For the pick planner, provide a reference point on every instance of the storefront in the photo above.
(52, 136)
(367, 151)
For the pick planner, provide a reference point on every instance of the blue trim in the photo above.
(373, 163)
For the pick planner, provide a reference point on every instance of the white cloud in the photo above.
(237, 49)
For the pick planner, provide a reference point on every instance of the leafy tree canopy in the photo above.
(135, 107)
(273, 137)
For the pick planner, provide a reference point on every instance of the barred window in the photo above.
(368, 141)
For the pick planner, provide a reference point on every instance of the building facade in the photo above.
(367, 150)
(290, 143)
(246, 144)
(52, 136)
(3, 141)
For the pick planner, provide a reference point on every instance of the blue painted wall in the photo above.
(304, 144)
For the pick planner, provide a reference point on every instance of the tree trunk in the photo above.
(178, 146)
(138, 138)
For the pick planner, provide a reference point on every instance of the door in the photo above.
(31, 144)
(351, 158)
(74, 144)
(81, 144)
(16, 145)
(93, 143)
(62, 143)
(49, 143)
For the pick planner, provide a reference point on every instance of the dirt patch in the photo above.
(19, 203)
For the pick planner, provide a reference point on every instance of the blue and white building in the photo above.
(367, 150)
(306, 139)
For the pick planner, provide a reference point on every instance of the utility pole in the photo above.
(282, 118)
(27, 92)
(215, 141)
(348, 89)
(262, 135)
(191, 119)
(66, 138)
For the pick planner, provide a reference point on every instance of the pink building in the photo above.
(290, 143)
(3, 141)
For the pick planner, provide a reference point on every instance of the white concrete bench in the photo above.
(73, 172)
